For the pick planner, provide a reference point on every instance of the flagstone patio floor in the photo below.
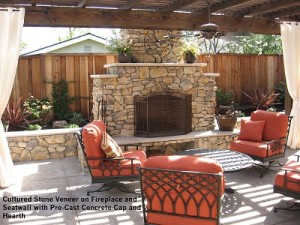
(55, 191)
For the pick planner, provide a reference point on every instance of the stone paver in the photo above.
(56, 191)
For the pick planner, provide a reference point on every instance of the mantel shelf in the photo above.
(155, 65)
(95, 76)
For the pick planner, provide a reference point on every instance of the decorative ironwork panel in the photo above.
(162, 114)
(181, 194)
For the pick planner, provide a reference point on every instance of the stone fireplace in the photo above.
(127, 82)
(150, 99)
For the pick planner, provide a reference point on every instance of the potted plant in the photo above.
(226, 121)
(190, 52)
(121, 46)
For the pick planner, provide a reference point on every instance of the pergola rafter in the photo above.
(257, 16)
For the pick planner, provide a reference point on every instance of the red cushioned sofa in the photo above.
(263, 137)
(109, 171)
(287, 182)
(179, 190)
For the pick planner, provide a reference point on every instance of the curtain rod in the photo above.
(288, 22)
(6, 9)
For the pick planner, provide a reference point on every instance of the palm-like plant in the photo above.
(15, 115)
(261, 99)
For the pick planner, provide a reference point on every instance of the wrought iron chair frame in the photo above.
(288, 192)
(185, 186)
(273, 146)
(108, 164)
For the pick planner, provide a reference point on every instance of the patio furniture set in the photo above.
(188, 188)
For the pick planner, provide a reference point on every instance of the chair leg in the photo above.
(290, 208)
(265, 168)
(105, 187)
(279, 163)
(108, 186)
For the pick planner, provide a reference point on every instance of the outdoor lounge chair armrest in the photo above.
(273, 141)
(110, 159)
(290, 170)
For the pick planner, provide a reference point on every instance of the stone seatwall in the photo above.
(37, 145)
(29, 146)
(169, 145)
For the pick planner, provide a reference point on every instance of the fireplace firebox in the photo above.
(162, 114)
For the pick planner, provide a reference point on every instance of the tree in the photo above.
(73, 32)
(261, 44)
(254, 44)
(23, 46)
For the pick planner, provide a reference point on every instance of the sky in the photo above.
(38, 37)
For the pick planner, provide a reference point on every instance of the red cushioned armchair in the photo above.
(263, 137)
(287, 182)
(179, 190)
(109, 171)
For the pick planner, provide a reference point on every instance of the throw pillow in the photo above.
(110, 147)
(251, 130)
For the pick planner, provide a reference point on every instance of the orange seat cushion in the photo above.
(120, 167)
(155, 218)
(292, 178)
(252, 148)
(184, 163)
(276, 124)
(251, 130)
(91, 136)
(171, 201)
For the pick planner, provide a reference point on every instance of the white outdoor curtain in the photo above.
(290, 35)
(11, 23)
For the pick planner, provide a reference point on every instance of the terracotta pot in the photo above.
(124, 58)
(226, 124)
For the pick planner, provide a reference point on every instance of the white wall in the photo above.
(95, 47)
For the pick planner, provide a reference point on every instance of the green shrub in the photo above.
(38, 108)
(280, 89)
(71, 126)
(76, 118)
(61, 100)
(240, 114)
(224, 97)
(34, 127)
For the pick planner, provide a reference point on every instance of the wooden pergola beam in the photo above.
(265, 7)
(178, 5)
(134, 19)
(82, 3)
(293, 11)
(131, 4)
(33, 2)
(222, 5)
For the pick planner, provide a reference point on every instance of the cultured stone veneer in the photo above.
(124, 81)
(37, 145)
(26, 146)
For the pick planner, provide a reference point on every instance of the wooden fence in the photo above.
(36, 74)
(245, 72)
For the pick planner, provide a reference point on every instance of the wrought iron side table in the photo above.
(231, 161)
